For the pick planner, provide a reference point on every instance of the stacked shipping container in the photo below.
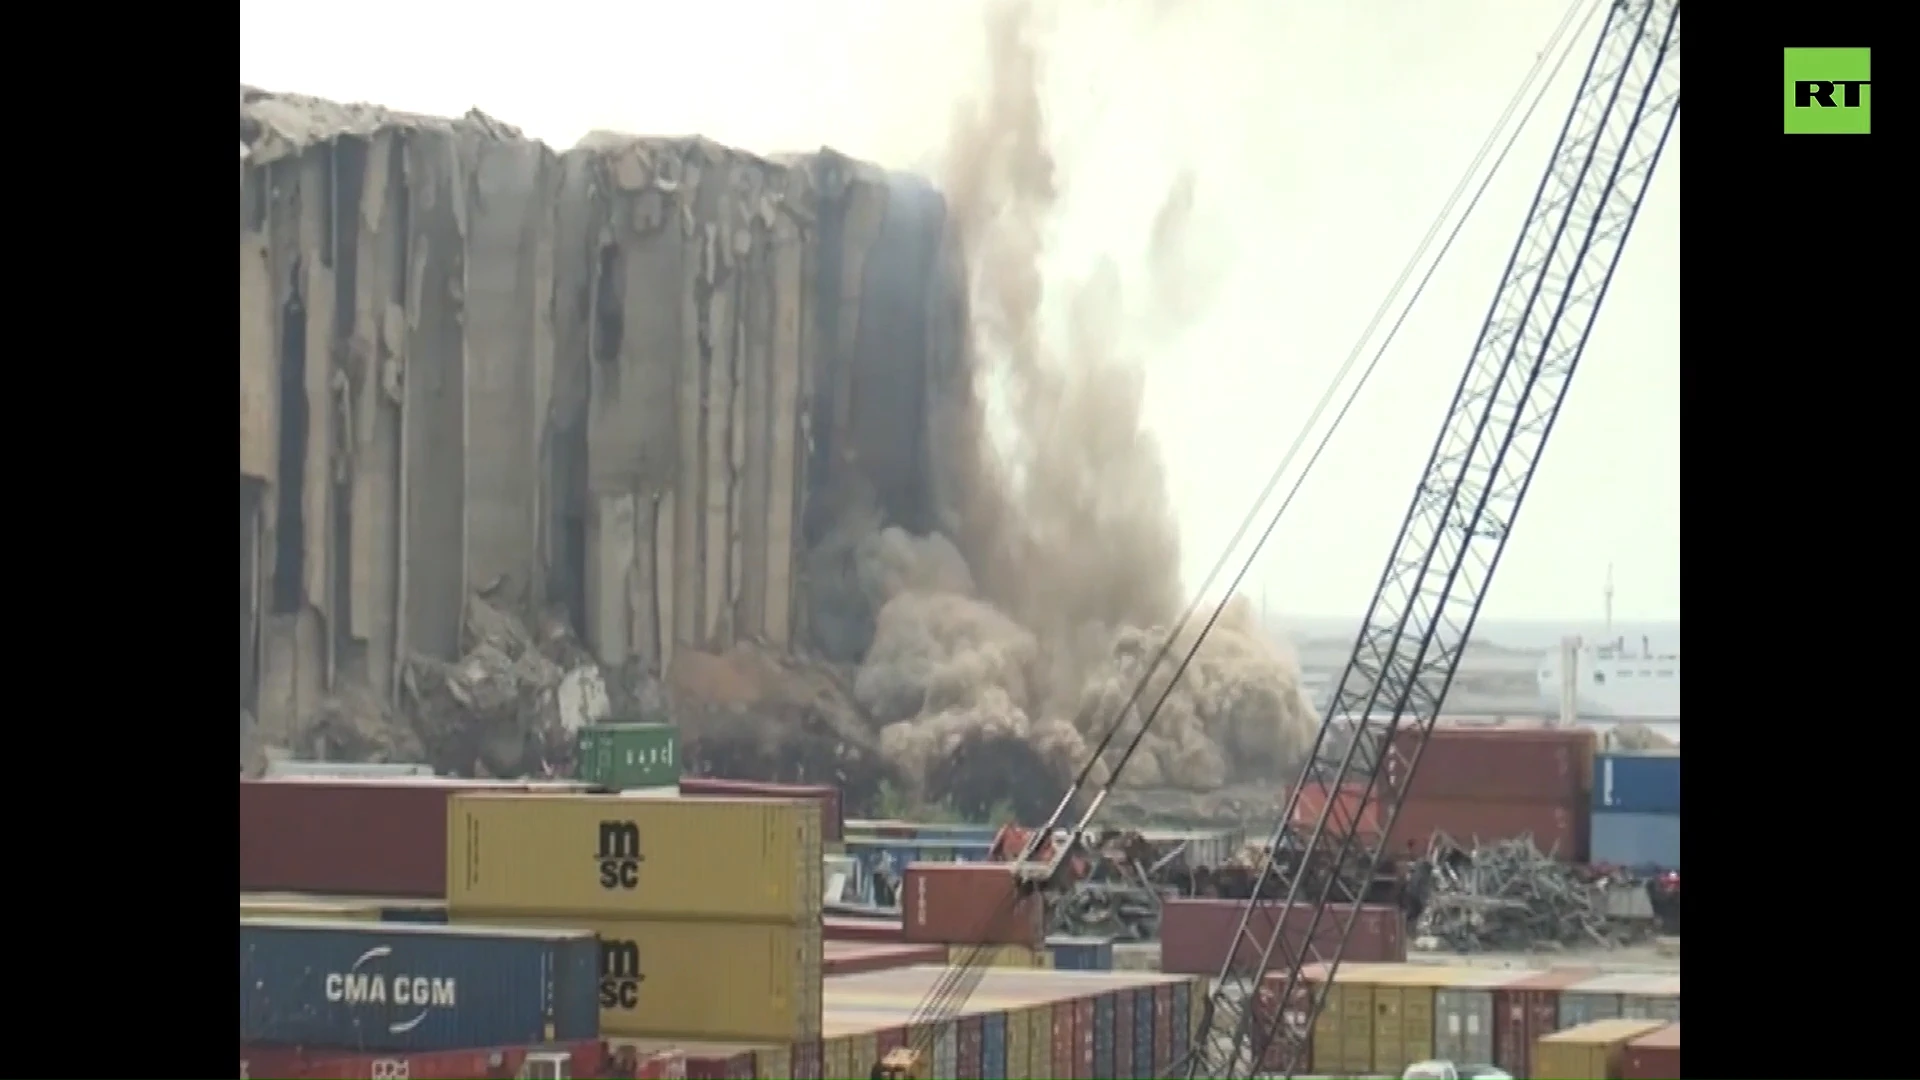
(707, 910)
(353, 837)
(1379, 1018)
(1018, 1025)
(400, 988)
(1485, 784)
(1636, 810)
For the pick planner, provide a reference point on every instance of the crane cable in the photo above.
(958, 981)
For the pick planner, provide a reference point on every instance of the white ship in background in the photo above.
(1611, 677)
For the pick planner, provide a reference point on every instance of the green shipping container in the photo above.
(628, 755)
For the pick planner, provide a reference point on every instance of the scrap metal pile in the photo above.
(1509, 897)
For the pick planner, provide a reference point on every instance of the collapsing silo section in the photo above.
(396, 363)
(505, 413)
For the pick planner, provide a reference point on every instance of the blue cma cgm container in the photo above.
(414, 987)
(1637, 783)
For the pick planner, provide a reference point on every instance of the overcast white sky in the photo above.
(1325, 135)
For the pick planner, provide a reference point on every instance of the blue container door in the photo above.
(993, 1046)
(1143, 1031)
(1103, 1035)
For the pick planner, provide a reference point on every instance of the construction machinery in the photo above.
(1259, 1016)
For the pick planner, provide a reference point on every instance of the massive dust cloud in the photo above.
(1054, 575)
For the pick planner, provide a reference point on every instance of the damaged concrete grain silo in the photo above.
(395, 358)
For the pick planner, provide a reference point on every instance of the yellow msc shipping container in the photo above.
(1019, 1044)
(1343, 1032)
(746, 982)
(1403, 1015)
(605, 856)
(1040, 1041)
(1588, 1052)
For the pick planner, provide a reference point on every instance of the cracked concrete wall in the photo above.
(390, 398)
(616, 381)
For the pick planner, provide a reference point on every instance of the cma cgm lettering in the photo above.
(407, 987)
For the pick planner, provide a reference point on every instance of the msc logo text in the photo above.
(1829, 92)
(619, 855)
(620, 976)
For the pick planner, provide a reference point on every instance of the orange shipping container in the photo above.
(1653, 1056)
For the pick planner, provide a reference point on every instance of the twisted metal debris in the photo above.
(1508, 897)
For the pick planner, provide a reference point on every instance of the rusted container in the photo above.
(292, 1063)
(808, 1062)
(875, 930)
(969, 904)
(1527, 1009)
(1551, 765)
(969, 1037)
(1653, 1056)
(832, 825)
(1195, 934)
(354, 837)
(1560, 829)
(1063, 1043)
(854, 957)
(1084, 1034)
(1123, 1033)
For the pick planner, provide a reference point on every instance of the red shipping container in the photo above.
(969, 904)
(661, 1065)
(1123, 1031)
(1551, 765)
(1525, 1010)
(1195, 934)
(855, 957)
(1560, 829)
(291, 1063)
(969, 1044)
(1064, 1043)
(1653, 1056)
(358, 837)
(1083, 1037)
(878, 930)
(705, 1062)
(832, 825)
(1163, 1028)
(1292, 1020)
(808, 1060)
(1352, 810)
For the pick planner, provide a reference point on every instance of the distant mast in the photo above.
(1609, 602)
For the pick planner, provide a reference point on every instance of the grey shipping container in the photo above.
(1636, 840)
(1463, 1019)
(413, 987)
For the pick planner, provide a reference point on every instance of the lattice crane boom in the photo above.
(1462, 513)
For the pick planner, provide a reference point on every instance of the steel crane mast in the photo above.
(1462, 513)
